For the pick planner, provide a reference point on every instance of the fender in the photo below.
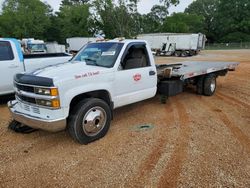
(70, 94)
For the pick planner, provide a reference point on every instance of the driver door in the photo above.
(136, 78)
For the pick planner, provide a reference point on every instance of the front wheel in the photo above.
(89, 120)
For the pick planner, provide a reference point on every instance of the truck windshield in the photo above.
(37, 47)
(100, 54)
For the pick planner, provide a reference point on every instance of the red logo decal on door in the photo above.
(137, 77)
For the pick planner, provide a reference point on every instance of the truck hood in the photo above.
(68, 70)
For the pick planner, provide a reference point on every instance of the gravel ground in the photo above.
(195, 141)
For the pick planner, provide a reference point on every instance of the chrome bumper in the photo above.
(36, 122)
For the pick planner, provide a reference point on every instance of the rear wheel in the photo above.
(209, 85)
(89, 120)
(200, 85)
(192, 53)
(184, 54)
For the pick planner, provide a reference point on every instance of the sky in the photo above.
(143, 7)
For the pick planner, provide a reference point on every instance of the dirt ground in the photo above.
(195, 141)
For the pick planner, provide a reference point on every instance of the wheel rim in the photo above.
(212, 85)
(94, 121)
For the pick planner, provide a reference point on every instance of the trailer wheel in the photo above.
(192, 53)
(209, 85)
(89, 120)
(184, 54)
(200, 85)
(177, 54)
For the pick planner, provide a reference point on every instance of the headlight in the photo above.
(55, 103)
(51, 101)
(46, 91)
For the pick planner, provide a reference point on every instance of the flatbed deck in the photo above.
(189, 69)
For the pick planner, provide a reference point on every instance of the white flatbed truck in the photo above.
(80, 95)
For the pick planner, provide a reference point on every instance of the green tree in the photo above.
(115, 20)
(233, 20)
(168, 3)
(124, 20)
(148, 24)
(207, 9)
(22, 19)
(183, 23)
(152, 22)
(74, 2)
(73, 20)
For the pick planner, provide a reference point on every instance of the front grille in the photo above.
(24, 88)
(26, 107)
(27, 99)
(29, 108)
(36, 110)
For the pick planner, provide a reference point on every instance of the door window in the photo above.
(136, 57)
(6, 52)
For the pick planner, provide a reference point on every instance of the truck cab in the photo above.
(32, 46)
(11, 60)
(101, 77)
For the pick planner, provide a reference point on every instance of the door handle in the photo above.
(152, 73)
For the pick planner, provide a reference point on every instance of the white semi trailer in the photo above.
(76, 43)
(177, 44)
(54, 47)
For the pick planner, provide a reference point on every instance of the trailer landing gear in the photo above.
(20, 128)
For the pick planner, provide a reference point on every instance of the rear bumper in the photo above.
(52, 125)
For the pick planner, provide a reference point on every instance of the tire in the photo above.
(200, 85)
(177, 54)
(184, 54)
(89, 120)
(209, 85)
(192, 53)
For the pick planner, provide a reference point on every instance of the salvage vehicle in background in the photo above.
(81, 95)
(33, 46)
(13, 61)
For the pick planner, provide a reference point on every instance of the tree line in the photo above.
(220, 20)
